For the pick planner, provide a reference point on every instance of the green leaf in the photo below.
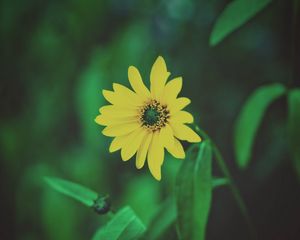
(167, 213)
(73, 190)
(193, 192)
(250, 118)
(294, 126)
(235, 14)
(125, 225)
(218, 182)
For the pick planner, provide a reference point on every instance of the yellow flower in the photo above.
(145, 122)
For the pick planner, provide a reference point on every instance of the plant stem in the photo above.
(234, 190)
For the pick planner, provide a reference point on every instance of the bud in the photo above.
(101, 205)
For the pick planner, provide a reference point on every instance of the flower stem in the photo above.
(234, 190)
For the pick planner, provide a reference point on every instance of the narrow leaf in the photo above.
(235, 14)
(294, 126)
(218, 182)
(73, 190)
(250, 118)
(167, 214)
(193, 192)
(125, 225)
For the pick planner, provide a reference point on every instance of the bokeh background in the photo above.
(57, 56)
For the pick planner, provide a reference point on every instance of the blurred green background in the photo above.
(57, 56)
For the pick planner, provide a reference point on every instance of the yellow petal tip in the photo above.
(111, 150)
(130, 68)
(156, 174)
(98, 120)
(197, 139)
(106, 133)
(158, 178)
(138, 166)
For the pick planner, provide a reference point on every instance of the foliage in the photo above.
(194, 193)
(193, 190)
(57, 57)
(235, 14)
(124, 225)
(249, 119)
(76, 191)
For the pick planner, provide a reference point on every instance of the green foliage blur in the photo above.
(57, 56)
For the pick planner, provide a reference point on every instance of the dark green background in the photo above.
(57, 56)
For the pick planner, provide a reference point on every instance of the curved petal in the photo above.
(120, 100)
(121, 129)
(182, 117)
(108, 95)
(113, 111)
(101, 120)
(136, 82)
(133, 142)
(155, 156)
(177, 150)
(166, 136)
(178, 104)
(183, 132)
(127, 95)
(158, 77)
(143, 150)
(106, 120)
(117, 143)
(171, 90)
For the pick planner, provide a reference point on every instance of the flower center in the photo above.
(151, 116)
(154, 116)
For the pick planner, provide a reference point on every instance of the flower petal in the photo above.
(143, 150)
(182, 117)
(133, 142)
(121, 129)
(113, 111)
(117, 143)
(106, 120)
(177, 150)
(101, 120)
(108, 95)
(119, 99)
(136, 82)
(166, 136)
(183, 132)
(171, 90)
(127, 95)
(158, 77)
(178, 104)
(155, 157)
